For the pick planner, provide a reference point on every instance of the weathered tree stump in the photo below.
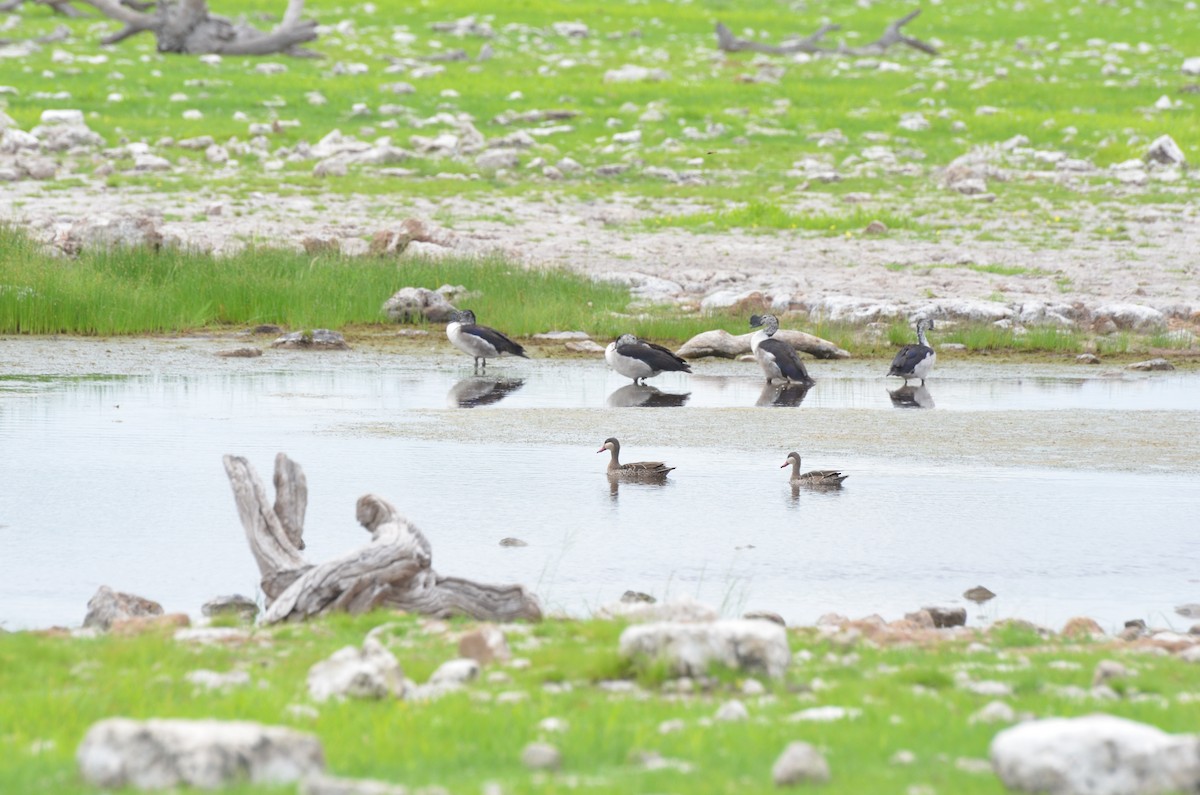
(393, 570)
(186, 26)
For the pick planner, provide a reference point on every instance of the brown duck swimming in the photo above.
(638, 470)
(829, 478)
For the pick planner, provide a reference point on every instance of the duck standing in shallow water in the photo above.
(821, 478)
(639, 360)
(639, 470)
(480, 342)
(776, 357)
(915, 361)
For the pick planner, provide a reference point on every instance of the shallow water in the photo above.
(117, 480)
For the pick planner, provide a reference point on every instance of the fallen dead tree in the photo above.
(393, 570)
(186, 26)
(811, 44)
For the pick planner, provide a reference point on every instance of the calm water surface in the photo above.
(118, 481)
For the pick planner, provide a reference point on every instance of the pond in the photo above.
(1066, 490)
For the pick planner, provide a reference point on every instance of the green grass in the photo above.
(53, 688)
(743, 138)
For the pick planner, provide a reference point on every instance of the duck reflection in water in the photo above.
(911, 397)
(784, 395)
(635, 395)
(482, 390)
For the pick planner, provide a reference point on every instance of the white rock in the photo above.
(541, 756)
(1133, 317)
(455, 672)
(1164, 150)
(555, 725)
(630, 73)
(688, 649)
(732, 710)
(151, 163)
(369, 672)
(1095, 755)
(799, 763)
(571, 29)
(994, 712)
(679, 609)
(214, 680)
(629, 137)
(1191, 66)
(207, 754)
(329, 785)
(496, 159)
(63, 116)
(826, 714)
(914, 122)
(1164, 103)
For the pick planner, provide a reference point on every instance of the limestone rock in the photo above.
(1082, 627)
(1164, 150)
(330, 785)
(764, 615)
(630, 73)
(688, 649)
(108, 606)
(215, 680)
(994, 712)
(979, 594)
(1087, 358)
(248, 352)
(800, 763)
(316, 339)
(369, 672)
(484, 644)
(417, 303)
(455, 673)
(1131, 317)
(680, 609)
(1151, 365)
(1108, 670)
(496, 159)
(732, 710)
(1095, 755)
(541, 756)
(876, 228)
(947, 616)
(235, 604)
(207, 754)
(101, 231)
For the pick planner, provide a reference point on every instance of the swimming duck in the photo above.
(639, 360)
(776, 357)
(816, 477)
(639, 470)
(480, 342)
(915, 361)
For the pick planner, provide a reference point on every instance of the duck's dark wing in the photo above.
(496, 339)
(908, 357)
(656, 356)
(786, 359)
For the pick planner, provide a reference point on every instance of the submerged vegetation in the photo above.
(915, 731)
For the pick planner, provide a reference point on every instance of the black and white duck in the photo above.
(638, 359)
(777, 358)
(915, 361)
(480, 342)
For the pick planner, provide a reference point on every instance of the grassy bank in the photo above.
(139, 291)
(912, 698)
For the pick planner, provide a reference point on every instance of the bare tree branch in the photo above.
(393, 570)
(727, 42)
(186, 26)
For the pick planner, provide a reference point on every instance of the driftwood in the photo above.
(186, 26)
(727, 42)
(393, 570)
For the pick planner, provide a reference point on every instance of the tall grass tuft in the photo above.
(130, 291)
